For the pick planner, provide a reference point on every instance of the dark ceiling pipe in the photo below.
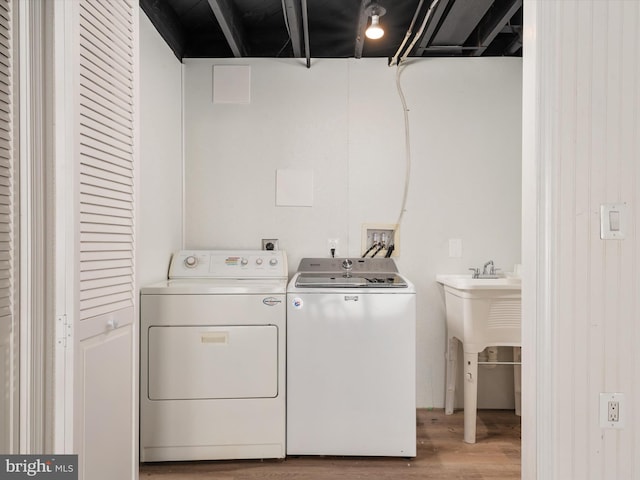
(294, 24)
(305, 28)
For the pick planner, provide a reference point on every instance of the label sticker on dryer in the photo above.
(231, 261)
(297, 302)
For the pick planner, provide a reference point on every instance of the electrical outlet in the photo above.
(333, 247)
(612, 410)
(379, 235)
(270, 244)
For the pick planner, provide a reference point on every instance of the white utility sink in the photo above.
(481, 312)
(466, 282)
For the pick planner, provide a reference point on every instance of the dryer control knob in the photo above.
(273, 262)
(244, 261)
(191, 261)
(347, 264)
(258, 261)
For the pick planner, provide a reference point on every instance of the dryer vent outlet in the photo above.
(270, 244)
(378, 238)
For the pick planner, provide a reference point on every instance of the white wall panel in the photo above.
(160, 203)
(342, 119)
(589, 61)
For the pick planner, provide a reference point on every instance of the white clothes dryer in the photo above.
(212, 364)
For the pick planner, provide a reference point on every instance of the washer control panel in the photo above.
(228, 264)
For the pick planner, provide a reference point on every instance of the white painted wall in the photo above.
(160, 177)
(582, 149)
(342, 119)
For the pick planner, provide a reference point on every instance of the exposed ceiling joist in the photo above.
(430, 29)
(230, 24)
(488, 32)
(240, 28)
(167, 23)
(363, 18)
(515, 46)
(460, 21)
(294, 20)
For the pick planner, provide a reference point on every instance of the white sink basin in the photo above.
(466, 282)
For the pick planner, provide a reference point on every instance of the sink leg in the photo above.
(517, 378)
(470, 396)
(452, 368)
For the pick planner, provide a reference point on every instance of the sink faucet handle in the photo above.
(476, 272)
(484, 269)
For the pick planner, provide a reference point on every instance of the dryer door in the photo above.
(213, 362)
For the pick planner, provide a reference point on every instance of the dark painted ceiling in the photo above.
(335, 28)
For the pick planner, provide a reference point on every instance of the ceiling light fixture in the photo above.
(375, 31)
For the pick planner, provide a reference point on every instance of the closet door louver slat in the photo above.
(6, 165)
(106, 119)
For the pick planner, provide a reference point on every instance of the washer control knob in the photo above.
(258, 261)
(347, 264)
(244, 261)
(273, 262)
(191, 261)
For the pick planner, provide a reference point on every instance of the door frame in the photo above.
(37, 335)
(539, 247)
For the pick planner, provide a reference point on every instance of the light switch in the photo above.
(613, 219)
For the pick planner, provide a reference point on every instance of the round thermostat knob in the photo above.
(258, 261)
(191, 261)
(273, 262)
(244, 261)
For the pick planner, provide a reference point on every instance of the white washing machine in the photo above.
(351, 374)
(212, 365)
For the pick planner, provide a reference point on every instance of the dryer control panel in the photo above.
(228, 264)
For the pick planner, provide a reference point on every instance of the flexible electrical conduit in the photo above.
(407, 145)
(394, 59)
(419, 34)
(405, 109)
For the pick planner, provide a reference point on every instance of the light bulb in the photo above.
(374, 31)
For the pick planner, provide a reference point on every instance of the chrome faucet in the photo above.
(488, 271)
(492, 270)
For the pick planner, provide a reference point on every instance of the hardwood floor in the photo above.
(441, 455)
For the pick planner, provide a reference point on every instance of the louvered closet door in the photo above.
(105, 305)
(8, 312)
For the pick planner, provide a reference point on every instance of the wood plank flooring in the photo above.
(441, 455)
